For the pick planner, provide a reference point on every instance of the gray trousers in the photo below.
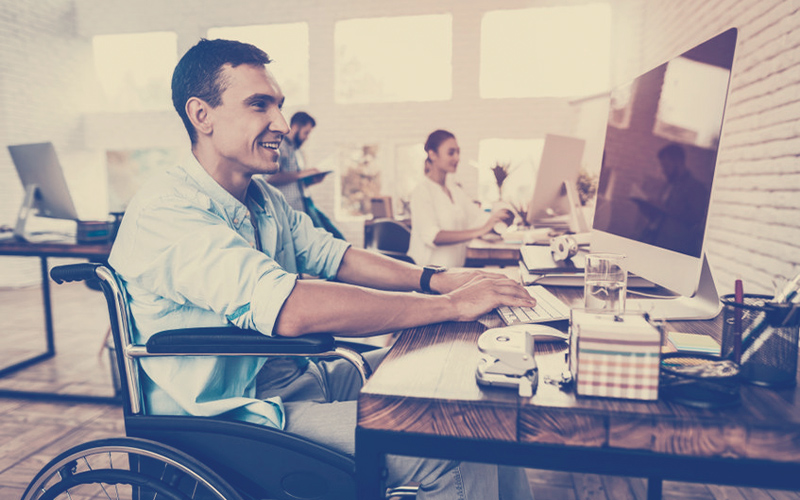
(320, 403)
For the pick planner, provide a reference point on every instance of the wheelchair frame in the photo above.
(182, 457)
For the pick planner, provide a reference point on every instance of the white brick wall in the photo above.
(42, 94)
(754, 227)
(753, 231)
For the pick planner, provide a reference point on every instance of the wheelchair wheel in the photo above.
(127, 469)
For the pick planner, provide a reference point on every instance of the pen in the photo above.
(788, 291)
(790, 315)
(737, 320)
(754, 337)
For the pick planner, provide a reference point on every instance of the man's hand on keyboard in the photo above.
(486, 291)
(456, 278)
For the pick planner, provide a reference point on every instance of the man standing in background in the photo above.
(293, 176)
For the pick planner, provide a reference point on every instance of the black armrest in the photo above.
(235, 340)
(74, 272)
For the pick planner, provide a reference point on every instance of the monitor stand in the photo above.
(25, 211)
(704, 304)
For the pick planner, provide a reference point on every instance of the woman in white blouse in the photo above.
(443, 217)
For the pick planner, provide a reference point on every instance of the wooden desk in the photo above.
(481, 253)
(423, 401)
(13, 247)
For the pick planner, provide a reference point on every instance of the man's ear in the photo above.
(197, 111)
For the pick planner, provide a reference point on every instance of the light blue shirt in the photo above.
(187, 253)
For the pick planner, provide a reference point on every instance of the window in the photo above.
(135, 70)
(286, 45)
(546, 52)
(396, 59)
(522, 156)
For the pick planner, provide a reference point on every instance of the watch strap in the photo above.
(425, 278)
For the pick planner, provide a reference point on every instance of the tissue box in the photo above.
(615, 357)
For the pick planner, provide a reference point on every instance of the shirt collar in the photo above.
(232, 207)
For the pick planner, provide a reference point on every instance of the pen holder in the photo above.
(762, 337)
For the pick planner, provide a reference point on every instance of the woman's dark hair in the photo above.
(435, 140)
(198, 73)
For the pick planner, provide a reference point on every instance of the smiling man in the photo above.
(210, 243)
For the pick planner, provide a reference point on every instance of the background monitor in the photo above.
(561, 162)
(658, 167)
(45, 187)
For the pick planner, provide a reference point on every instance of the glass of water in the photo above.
(605, 283)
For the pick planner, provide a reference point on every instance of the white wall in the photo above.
(43, 91)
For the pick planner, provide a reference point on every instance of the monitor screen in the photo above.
(46, 190)
(38, 167)
(660, 153)
(561, 162)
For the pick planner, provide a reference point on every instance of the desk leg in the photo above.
(48, 325)
(654, 488)
(48, 309)
(369, 466)
(49, 353)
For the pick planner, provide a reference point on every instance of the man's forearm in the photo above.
(320, 306)
(370, 269)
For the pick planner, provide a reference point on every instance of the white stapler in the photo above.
(507, 359)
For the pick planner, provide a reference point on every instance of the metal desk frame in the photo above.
(43, 251)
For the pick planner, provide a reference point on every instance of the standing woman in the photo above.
(443, 217)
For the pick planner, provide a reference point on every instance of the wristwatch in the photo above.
(425, 279)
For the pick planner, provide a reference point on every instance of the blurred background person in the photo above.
(293, 177)
(443, 217)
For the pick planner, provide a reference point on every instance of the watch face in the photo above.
(437, 269)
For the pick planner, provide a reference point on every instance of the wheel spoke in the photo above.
(126, 468)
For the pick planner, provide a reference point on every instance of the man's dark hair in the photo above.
(301, 119)
(672, 151)
(199, 73)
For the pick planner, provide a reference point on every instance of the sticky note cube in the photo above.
(615, 357)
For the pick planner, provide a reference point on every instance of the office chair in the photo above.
(389, 237)
(187, 457)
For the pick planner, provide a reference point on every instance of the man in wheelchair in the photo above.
(210, 243)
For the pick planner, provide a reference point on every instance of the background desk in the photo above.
(423, 401)
(43, 251)
(481, 252)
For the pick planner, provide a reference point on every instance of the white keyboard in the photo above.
(548, 308)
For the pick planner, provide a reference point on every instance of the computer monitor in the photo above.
(561, 163)
(46, 189)
(657, 172)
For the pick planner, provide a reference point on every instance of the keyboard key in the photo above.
(548, 308)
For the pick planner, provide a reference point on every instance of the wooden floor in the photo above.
(33, 432)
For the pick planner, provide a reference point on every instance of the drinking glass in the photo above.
(605, 283)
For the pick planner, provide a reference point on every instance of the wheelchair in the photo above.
(198, 458)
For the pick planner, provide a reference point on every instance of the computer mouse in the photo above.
(540, 333)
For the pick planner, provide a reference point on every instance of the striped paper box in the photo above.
(616, 358)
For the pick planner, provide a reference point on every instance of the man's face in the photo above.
(301, 134)
(249, 125)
